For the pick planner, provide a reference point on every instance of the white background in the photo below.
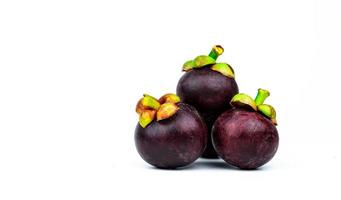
(72, 71)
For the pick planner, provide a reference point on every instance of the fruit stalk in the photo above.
(261, 96)
(216, 51)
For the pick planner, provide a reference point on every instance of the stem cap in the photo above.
(169, 98)
(268, 111)
(203, 60)
(146, 117)
(243, 101)
(166, 110)
(149, 108)
(223, 68)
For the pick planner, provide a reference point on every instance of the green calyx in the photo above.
(245, 101)
(242, 100)
(189, 65)
(150, 102)
(268, 111)
(203, 60)
(166, 110)
(224, 69)
(169, 98)
(149, 108)
(198, 62)
(146, 117)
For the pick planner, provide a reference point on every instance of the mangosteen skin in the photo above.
(209, 119)
(174, 142)
(245, 139)
(208, 91)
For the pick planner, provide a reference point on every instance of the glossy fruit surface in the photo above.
(173, 142)
(208, 91)
(245, 139)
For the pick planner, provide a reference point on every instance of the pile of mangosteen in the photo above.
(208, 118)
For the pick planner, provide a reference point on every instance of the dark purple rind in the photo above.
(206, 90)
(209, 119)
(174, 142)
(210, 93)
(245, 139)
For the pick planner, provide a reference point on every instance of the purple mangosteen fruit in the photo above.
(207, 86)
(246, 136)
(170, 134)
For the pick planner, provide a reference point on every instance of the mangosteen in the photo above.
(170, 134)
(207, 86)
(246, 136)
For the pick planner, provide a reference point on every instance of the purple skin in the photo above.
(208, 91)
(245, 139)
(174, 142)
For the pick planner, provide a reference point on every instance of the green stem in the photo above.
(261, 96)
(216, 51)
